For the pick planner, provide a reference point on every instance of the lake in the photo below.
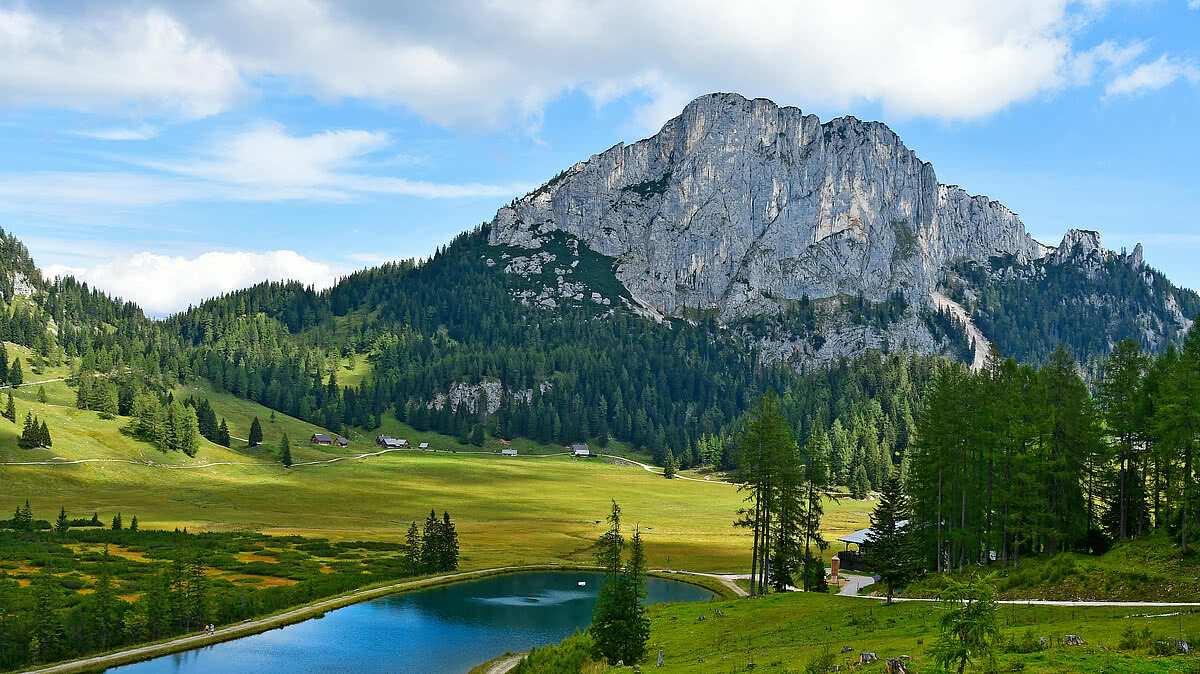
(445, 629)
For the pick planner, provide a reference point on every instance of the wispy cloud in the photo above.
(143, 132)
(1153, 76)
(263, 163)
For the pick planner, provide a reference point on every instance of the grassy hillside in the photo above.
(1148, 569)
(526, 508)
(783, 633)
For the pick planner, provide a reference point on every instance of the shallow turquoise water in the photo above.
(446, 629)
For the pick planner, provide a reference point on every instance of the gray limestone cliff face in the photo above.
(739, 204)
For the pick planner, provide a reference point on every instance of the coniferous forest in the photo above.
(1017, 460)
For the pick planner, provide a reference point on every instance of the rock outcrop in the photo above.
(739, 205)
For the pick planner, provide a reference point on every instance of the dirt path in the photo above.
(982, 345)
(506, 665)
(652, 469)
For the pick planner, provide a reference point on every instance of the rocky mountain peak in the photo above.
(740, 205)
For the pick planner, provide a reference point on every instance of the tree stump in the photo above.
(867, 658)
(896, 666)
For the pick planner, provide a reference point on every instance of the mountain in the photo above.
(749, 210)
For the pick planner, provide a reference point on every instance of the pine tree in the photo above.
(285, 451)
(889, 549)
(669, 465)
(860, 484)
(477, 436)
(256, 434)
(29, 435)
(116, 522)
(15, 376)
(606, 615)
(448, 554)
(636, 620)
(41, 395)
(62, 524)
(3, 364)
(272, 416)
(223, 434)
(10, 412)
(431, 544)
(44, 436)
(413, 558)
(133, 524)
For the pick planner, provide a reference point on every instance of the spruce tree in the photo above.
(223, 434)
(669, 465)
(635, 623)
(3, 364)
(10, 412)
(29, 434)
(448, 554)
(133, 524)
(44, 436)
(62, 524)
(889, 545)
(606, 615)
(285, 451)
(413, 559)
(116, 522)
(431, 544)
(41, 395)
(477, 436)
(256, 434)
(15, 376)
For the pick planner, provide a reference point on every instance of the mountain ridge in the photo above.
(743, 208)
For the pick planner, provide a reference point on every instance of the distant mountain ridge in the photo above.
(743, 208)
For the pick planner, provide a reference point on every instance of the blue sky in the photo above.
(167, 151)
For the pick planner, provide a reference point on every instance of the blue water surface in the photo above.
(445, 629)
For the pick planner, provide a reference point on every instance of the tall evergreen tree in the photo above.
(889, 545)
(116, 522)
(432, 542)
(15, 376)
(669, 465)
(62, 524)
(285, 451)
(256, 434)
(448, 552)
(223, 438)
(10, 411)
(413, 556)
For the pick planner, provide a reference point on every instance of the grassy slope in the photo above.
(784, 632)
(1148, 569)
(508, 510)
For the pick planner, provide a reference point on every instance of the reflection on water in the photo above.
(445, 629)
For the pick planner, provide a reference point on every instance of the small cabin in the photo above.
(508, 452)
(321, 439)
(581, 450)
(341, 442)
(387, 442)
(423, 445)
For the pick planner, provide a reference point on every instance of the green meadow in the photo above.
(784, 633)
(524, 509)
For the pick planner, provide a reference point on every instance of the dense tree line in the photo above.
(1029, 313)
(48, 619)
(785, 486)
(1017, 460)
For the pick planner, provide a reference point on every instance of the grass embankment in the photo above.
(1149, 569)
(784, 632)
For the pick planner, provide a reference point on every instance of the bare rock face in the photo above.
(737, 205)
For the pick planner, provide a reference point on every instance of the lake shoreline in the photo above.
(301, 613)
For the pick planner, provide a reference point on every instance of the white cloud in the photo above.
(162, 285)
(143, 132)
(131, 61)
(1194, 4)
(1153, 76)
(261, 164)
(499, 63)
